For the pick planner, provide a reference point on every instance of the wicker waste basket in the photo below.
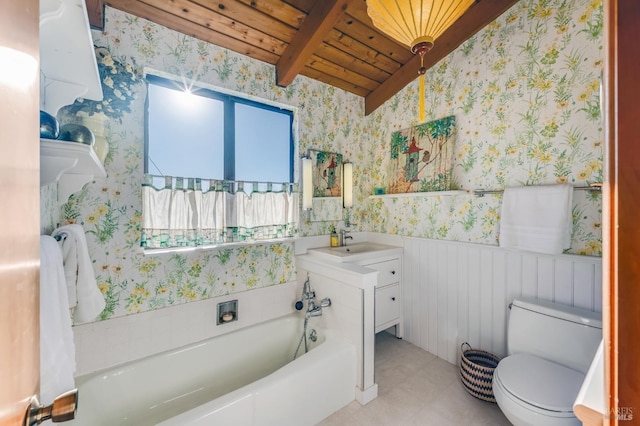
(476, 372)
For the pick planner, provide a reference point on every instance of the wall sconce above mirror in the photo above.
(323, 185)
(347, 185)
(307, 183)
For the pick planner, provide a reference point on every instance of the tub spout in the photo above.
(325, 303)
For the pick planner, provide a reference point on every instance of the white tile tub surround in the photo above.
(107, 343)
(456, 292)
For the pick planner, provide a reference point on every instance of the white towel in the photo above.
(81, 281)
(57, 351)
(537, 218)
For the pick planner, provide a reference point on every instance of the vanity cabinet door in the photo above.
(387, 306)
(388, 294)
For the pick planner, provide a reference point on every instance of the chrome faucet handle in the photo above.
(316, 311)
(326, 302)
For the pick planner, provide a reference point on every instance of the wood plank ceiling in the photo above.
(332, 41)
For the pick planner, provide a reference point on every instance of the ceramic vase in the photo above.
(97, 122)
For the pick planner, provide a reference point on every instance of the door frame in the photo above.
(621, 204)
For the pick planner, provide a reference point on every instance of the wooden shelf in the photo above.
(71, 164)
(422, 194)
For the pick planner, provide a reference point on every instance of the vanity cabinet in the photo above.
(388, 293)
(363, 281)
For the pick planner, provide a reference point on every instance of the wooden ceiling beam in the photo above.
(477, 17)
(312, 32)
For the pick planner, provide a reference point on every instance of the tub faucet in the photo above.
(313, 311)
(316, 310)
(307, 293)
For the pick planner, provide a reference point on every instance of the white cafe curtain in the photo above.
(180, 215)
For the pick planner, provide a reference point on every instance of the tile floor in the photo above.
(416, 388)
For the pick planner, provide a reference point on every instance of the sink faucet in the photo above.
(344, 236)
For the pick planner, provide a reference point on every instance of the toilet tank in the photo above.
(563, 334)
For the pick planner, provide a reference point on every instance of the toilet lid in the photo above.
(539, 382)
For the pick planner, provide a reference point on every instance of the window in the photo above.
(211, 135)
(237, 158)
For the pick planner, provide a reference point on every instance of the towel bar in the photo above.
(591, 187)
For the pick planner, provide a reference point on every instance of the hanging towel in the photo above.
(83, 290)
(57, 351)
(537, 218)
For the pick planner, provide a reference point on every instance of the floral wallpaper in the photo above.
(48, 208)
(524, 91)
(111, 210)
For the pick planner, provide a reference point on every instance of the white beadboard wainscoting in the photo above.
(459, 292)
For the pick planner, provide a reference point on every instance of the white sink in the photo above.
(348, 253)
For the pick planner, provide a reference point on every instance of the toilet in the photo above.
(549, 350)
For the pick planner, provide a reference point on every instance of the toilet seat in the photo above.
(532, 390)
(539, 382)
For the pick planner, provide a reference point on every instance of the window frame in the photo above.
(229, 101)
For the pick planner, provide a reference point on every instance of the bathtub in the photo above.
(246, 377)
